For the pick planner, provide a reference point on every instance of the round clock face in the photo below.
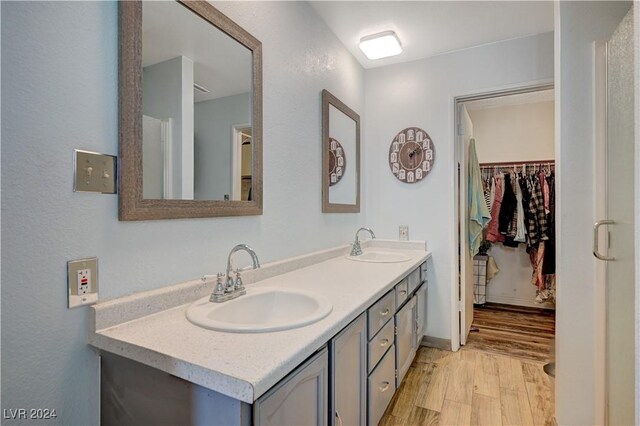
(337, 162)
(411, 155)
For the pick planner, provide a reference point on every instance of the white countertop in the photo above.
(244, 366)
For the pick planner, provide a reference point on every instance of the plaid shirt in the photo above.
(537, 226)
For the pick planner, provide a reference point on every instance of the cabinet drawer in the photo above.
(379, 345)
(423, 271)
(382, 386)
(402, 292)
(414, 279)
(381, 312)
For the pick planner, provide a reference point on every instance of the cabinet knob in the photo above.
(384, 387)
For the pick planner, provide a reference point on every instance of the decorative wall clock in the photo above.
(337, 161)
(411, 155)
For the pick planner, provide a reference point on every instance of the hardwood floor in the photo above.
(472, 387)
(513, 330)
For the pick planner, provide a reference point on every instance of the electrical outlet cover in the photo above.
(82, 282)
(404, 233)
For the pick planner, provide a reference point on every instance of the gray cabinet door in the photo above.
(405, 338)
(349, 375)
(299, 399)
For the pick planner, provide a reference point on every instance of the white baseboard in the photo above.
(519, 302)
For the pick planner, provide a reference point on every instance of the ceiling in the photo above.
(428, 28)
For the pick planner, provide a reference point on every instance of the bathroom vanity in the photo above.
(159, 368)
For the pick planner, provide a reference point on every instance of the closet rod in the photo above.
(517, 163)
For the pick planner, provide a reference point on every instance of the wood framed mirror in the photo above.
(340, 156)
(190, 113)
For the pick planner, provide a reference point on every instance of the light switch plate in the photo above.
(94, 172)
(82, 282)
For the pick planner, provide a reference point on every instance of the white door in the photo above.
(152, 158)
(465, 281)
(620, 297)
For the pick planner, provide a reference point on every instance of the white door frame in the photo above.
(458, 297)
(600, 186)
(236, 160)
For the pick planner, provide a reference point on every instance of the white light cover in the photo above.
(380, 45)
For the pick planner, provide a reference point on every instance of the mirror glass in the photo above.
(196, 107)
(341, 156)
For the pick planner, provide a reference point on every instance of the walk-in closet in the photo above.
(510, 190)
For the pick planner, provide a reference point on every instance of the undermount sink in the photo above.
(379, 257)
(261, 310)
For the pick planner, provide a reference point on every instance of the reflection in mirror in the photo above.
(341, 156)
(190, 113)
(342, 149)
(196, 106)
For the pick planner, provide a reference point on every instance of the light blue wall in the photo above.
(421, 93)
(212, 128)
(59, 92)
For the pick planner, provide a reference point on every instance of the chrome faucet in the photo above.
(357, 250)
(231, 289)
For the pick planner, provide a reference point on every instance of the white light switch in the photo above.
(82, 282)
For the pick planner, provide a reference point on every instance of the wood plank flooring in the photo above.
(521, 332)
(472, 387)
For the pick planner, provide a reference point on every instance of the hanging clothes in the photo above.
(507, 206)
(478, 215)
(486, 187)
(507, 211)
(492, 195)
(549, 263)
(520, 228)
(522, 207)
(537, 219)
(493, 234)
(536, 256)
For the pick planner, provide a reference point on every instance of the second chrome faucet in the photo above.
(232, 289)
(356, 250)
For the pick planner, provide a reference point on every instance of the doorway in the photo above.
(506, 281)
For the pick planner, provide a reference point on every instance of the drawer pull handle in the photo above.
(338, 418)
(384, 387)
(403, 292)
(384, 342)
(385, 312)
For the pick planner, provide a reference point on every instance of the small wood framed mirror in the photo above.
(190, 113)
(340, 156)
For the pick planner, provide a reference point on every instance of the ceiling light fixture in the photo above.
(381, 45)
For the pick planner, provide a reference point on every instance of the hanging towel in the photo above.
(479, 215)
